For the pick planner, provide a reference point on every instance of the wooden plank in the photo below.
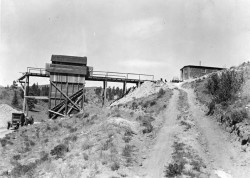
(66, 99)
(75, 95)
(56, 113)
(77, 101)
(37, 97)
(62, 106)
(69, 59)
(82, 71)
(67, 67)
(124, 87)
(104, 92)
(66, 96)
(24, 100)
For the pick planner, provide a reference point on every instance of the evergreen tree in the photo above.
(14, 85)
(113, 92)
(117, 91)
(31, 102)
(21, 93)
(98, 91)
(14, 101)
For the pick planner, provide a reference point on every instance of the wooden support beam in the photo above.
(77, 101)
(104, 93)
(24, 99)
(37, 97)
(65, 96)
(66, 99)
(56, 94)
(63, 105)
(50, 90)
(124, 87)
(22, 86)
(72, 97)
(61, 90)
(56, 113)
(83, 95)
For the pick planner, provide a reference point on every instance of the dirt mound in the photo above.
(146, 89)
(5, 114)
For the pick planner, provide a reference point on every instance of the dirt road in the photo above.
(161, 152)
(190, 137)
(226, 157)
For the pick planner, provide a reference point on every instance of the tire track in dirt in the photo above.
(224, 159)
(161, 152)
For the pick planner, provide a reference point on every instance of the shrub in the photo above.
(21, 170)
(54, 129)
(72, 138)
(44, 156)
(146, 122)
(127, 150)
(3, 142)
(108, 143)
(238, 115)
(28, 170)
(59, 151)
(71, 130)
(160, 93)
(134, 105)
(115, 166)
(152, 103)
(173, 170)
(131, 114)
(85, 156)
(86, 115)
(213, 83)
(225, 87)
(16, 157)
(86, 145)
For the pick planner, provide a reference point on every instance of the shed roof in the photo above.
(69, 59)
(202, 67)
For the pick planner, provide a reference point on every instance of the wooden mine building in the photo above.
(191, 71)
(68, 75)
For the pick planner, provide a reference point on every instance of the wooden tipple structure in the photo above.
(67, 81)
(68, 75)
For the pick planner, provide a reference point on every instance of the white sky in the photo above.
(143, 36)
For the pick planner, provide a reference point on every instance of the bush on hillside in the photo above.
(60, 150)
(225, 86)
(238, 115)
(146, 122)
(173, 170)
(160, 93)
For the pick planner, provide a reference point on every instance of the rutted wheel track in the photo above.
(191, 144)
(224, 160)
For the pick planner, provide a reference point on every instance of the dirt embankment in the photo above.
(5, 114)
(224, 156)
(101, 142)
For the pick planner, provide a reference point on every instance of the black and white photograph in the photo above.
(125, 88)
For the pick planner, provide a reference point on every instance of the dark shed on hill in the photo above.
(191, 71)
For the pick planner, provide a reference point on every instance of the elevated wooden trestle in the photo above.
(67, 83)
